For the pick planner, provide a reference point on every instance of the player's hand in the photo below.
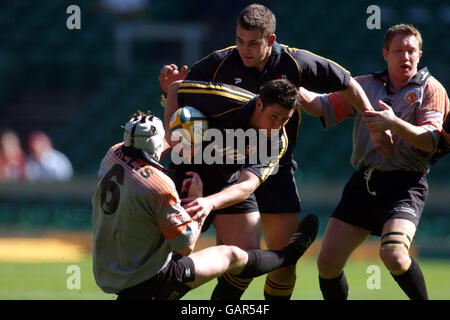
(192, 185)
(170, 73)
(383, 142)
(378, 121)
(197, 208)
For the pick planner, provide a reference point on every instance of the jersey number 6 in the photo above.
(109, 190)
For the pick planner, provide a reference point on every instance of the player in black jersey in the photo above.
(256, 58)
(236, 168)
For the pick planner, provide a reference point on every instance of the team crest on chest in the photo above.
(411, 97)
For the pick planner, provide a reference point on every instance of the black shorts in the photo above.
(399, 194)
(168, 284)
(279, 193)
(212, 185)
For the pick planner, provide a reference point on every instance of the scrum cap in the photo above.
(145, 132)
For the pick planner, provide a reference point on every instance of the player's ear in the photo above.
(259, 104)
(385, 53)
(271, 39)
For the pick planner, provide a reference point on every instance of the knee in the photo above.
(396, 261)
(328, 267)
(234, 254)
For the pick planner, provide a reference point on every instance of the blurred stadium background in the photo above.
(80, 85)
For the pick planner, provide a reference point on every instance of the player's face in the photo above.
(253, 49)
(271, 117)
(402, 57)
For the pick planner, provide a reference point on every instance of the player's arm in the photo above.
(178, 228)
(175, 223)
(355, 94)
(311, 102)
(425, 133)
(171, 107)
(378, 121)
(246, 184)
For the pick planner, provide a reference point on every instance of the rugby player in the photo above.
(386, 195)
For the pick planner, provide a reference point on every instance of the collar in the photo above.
(276, 49)
(246, 112)
(419, 78)
(145, 156)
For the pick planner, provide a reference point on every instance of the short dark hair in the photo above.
(406, 29)
(258, 17)
(280, 91)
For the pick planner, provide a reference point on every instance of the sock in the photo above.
(334, 289)
(412, 282)
(230, 287)
(274, 290)
(263, 261)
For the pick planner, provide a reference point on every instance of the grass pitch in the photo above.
(52, 281)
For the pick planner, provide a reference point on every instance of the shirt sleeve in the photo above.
(174, 222)
(335, 110)
(268, 158)
(205, 69)
(435, 106)
(320, 74)
(212, 98)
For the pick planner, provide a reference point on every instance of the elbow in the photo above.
(186, 250)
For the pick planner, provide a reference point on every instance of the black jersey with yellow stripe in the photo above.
(301, 67)
(228, 109)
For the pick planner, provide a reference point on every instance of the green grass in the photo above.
(42, 281)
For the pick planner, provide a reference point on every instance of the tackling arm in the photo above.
(246, 184)
(171, 107)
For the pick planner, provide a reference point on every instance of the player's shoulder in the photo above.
(306, 57)
(433, 84)
(366, 78)
(296, 52)
(217, 55)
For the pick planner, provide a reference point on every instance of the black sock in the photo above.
(230, 287)
(412, 282)
(334, 289)
(263, 261)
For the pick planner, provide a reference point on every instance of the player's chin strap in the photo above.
(367, 176)
(151, 161)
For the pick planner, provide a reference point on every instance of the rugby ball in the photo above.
(190, 123)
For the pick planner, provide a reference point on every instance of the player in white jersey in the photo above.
(386, 195)
(144, 238)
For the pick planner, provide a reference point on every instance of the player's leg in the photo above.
(396, 239)
(243, 231)
(280, 207)
(277, 230)
(339, 241)
(214, 261)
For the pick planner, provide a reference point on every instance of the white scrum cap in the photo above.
(145, 132)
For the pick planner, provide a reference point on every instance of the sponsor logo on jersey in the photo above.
(237, 80)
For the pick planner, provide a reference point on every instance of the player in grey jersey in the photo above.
(144, 238)
(386, 195)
